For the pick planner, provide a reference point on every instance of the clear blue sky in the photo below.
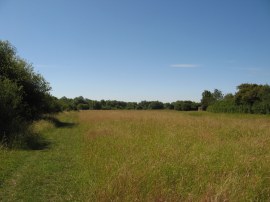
(135, 50)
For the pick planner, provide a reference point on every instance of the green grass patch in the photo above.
(46, 173)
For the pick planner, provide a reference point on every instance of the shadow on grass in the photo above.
(29, 140)
(59, 124)
(37, 142)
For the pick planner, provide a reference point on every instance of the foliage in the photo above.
(207, 99)
(67, 104)
(185, 105)
(250, 98)
(217, 95)
(168, 105)
(156, 105)
(10, 108)
(82, 106)
(24, 94)
(81, 103)
(247, 94)
(143, 105)
(131, 105)
(227, 106)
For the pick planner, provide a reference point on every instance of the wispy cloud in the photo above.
(185, 65)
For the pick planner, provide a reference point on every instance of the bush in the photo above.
(10, 108)
(156, 105)
(185, 105)
(82, 106)
(228, 106)
(261, 108)
(24, 94)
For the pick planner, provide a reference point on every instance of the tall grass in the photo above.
(143, 156)
(164, 155)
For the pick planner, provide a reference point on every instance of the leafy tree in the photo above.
(156, 105)
(185, 105)
(67, 104)
(250, 98)
(131, 105)
(97, 105)
(168, 106)
(79, 100)
(10, 108)
(217, 95)
(247, 94)
(177, 105)
(103, 104)
(228, 97)
(24, 93)
(82, 106)
(256, 97)
(207, 99)
(34, 87)
(52, 104)
(143, 105)
(262, 105)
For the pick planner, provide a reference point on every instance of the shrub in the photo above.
(82, 106)
(10, 108)
(24, 94)
(156, 105)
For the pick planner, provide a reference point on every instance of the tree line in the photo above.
(249, 98)
(81, 103)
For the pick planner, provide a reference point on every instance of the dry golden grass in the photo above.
(172, 156)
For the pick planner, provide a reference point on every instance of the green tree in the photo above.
(248, 94)
(217, 95)
(66, 104)
(82, 106)
(131, 105)
(143, 105)
(10, 108)
(229, 97)
(186, 105)
(156, 105)
(34, 87)
(207, 99)
(24, 93)
(168, 105)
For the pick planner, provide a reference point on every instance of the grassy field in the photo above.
(142, 156)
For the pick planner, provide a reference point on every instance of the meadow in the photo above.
(149, 155)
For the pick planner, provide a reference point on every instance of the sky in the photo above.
(134, 50)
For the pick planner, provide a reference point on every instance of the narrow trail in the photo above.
(12, 183)
(49, 173)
